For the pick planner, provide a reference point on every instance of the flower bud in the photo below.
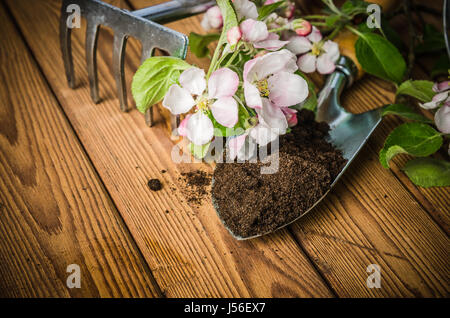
(234, 35)
(289, 11)
(301, 27)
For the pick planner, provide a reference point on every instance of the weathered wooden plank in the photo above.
(188, 250)
(360, 225)
(370, 93)
(54, 210)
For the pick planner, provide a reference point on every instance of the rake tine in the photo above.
(120, 41)
(66, 47)
(147, 51)
(174, 123)
(149, 116)
(91, 58)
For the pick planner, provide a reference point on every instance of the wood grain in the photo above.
(54, 210)
(188, 250)
(362, 222)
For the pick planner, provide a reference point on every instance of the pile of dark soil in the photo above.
(251, 203)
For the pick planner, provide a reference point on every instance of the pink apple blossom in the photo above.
(215, 96)
(301, 27)
(288, 11)
(316, 54)
(442, 118)
(256, 33)
(442, 91)
(245, 9)
(271, 77)
(234, 35)
(440, 99)
(212, 19)
(291, 116)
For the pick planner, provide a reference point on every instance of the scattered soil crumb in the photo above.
(154, 184)
(197, 183)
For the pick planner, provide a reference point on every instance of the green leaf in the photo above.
(198, 43)
(353, 7)
(266, 10)
(311, 102)
(331, 20)
(153, 79)
(428, 172)
(229, 19)
(391, 35)
(433, 41)
(405, 112)
(416, 139)
(199, 152)
(421, 90)
(380, 57)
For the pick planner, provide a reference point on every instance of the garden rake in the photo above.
(141, 24)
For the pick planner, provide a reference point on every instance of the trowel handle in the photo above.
(174, 10)
(329, 108)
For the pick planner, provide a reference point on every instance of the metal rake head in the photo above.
(140, 24)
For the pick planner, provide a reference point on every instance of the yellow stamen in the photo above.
(263, 87)
(317, 49)
(203, 103)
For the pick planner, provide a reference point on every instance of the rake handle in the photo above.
(174, 10)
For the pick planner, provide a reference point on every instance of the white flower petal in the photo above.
(223, 83)
(252, 96)
(287, 89)
(182, 131)
(248, 150)
(325, 65)
(315, 35)
(247, 67)
(193, 79)
(200, 129)
(235, 144)
(271, 43)
(178, 100)
(272, 63)
(299, 45)
(214, 16)
(272, 116)
(442, 119)
(254, 31)
(441, 87)
(225, 111)
(307, 63)
(245, 9)
(429, 105)
(331, 50)
(263, 134)
(205, 23)
(234, 35)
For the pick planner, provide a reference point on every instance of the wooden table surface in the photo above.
(73, 190)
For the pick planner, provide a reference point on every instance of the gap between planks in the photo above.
(51, 232)
(174, 277)
(373, 247)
